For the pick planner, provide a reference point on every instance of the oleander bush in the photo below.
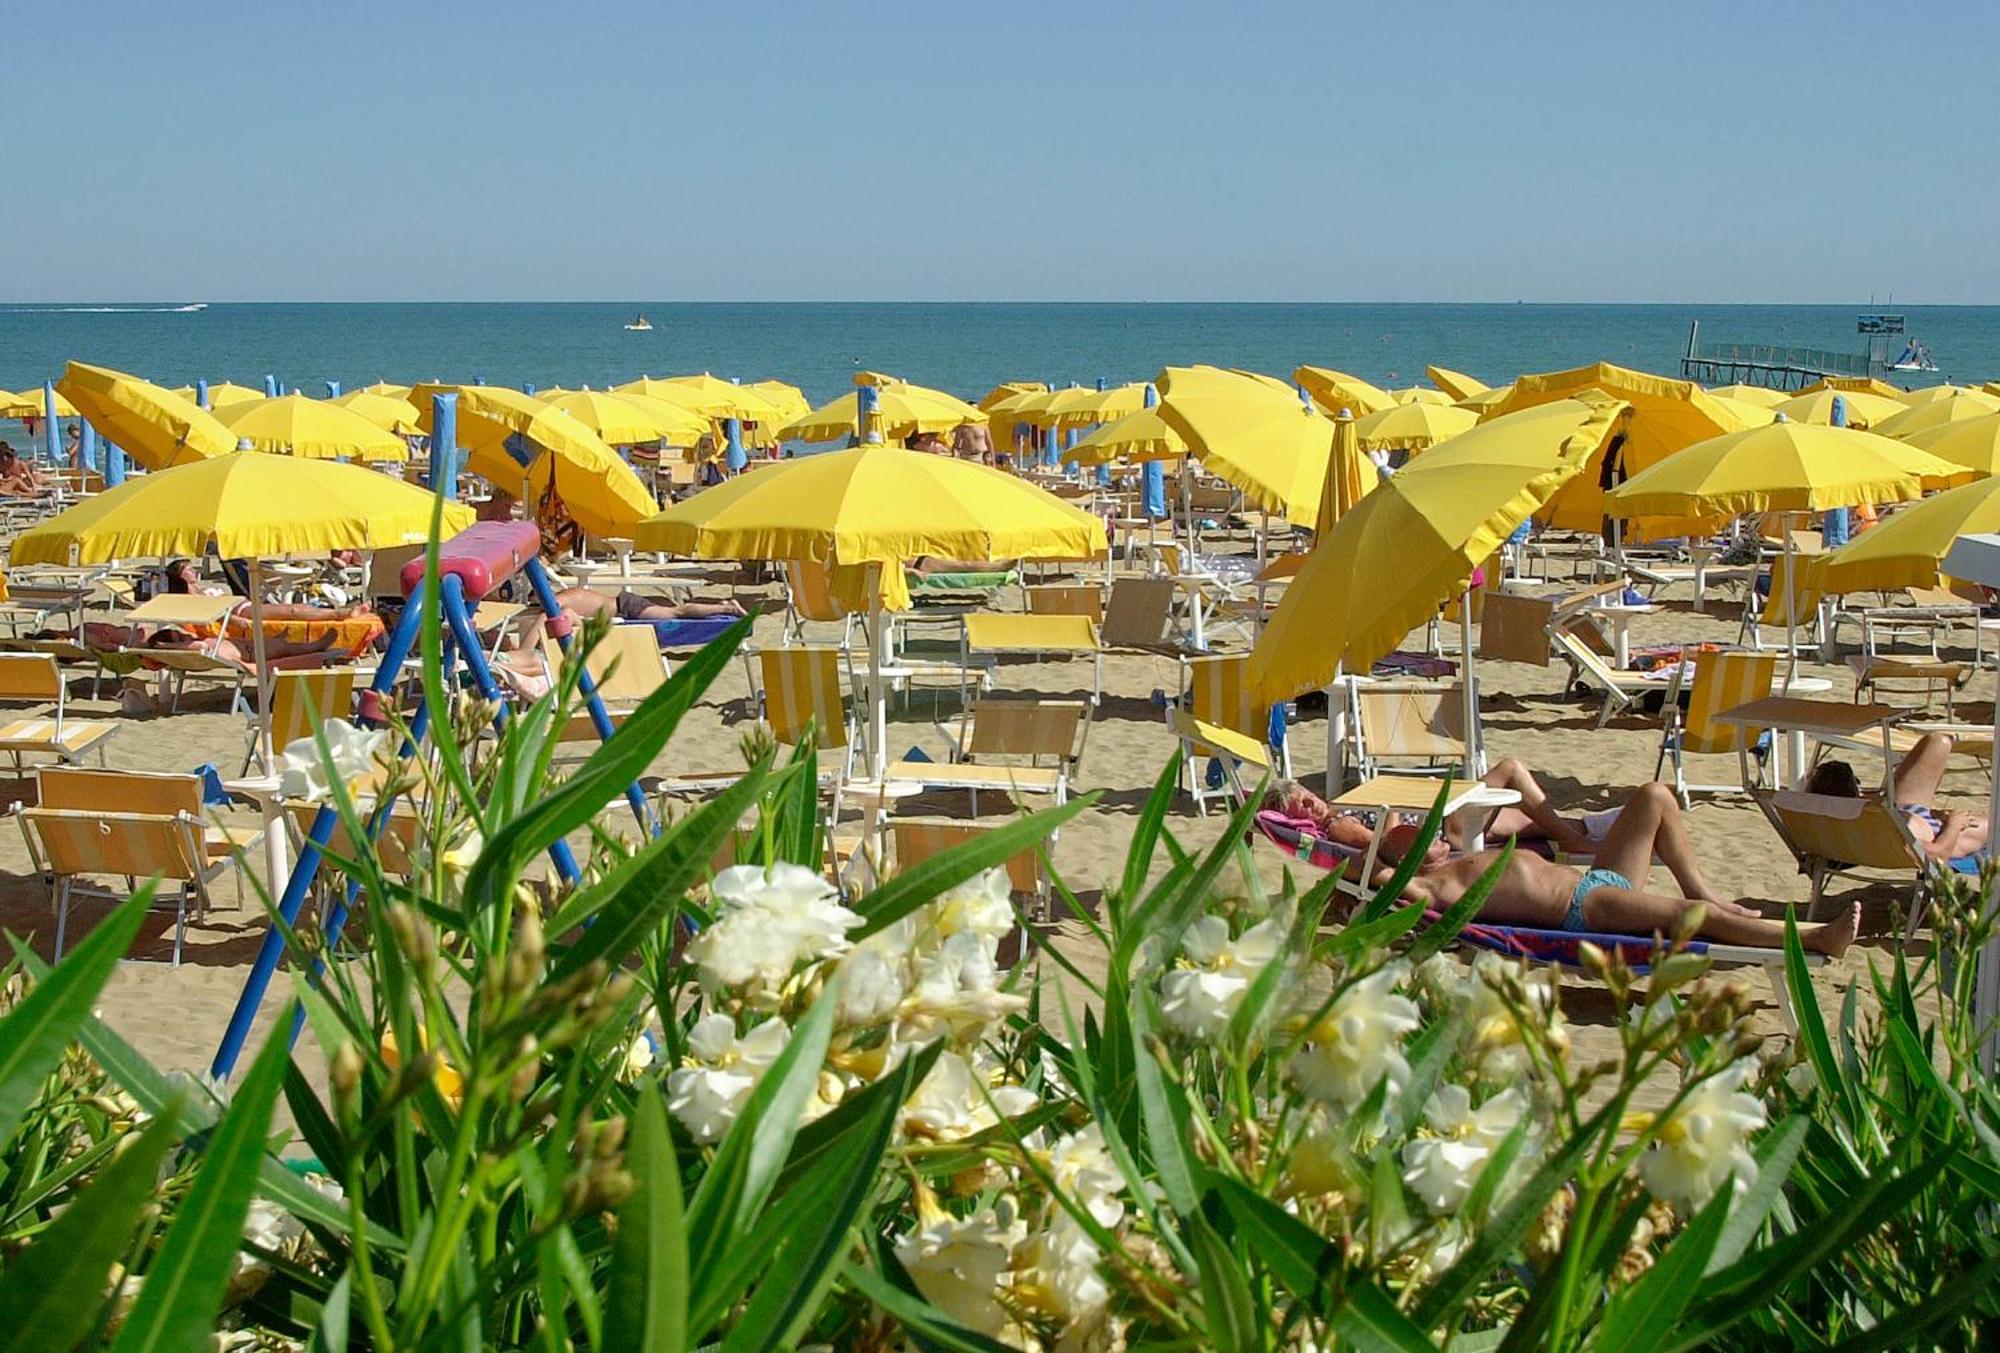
(675, 1107)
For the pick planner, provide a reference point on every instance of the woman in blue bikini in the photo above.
(1946, 835)
(1609, 897)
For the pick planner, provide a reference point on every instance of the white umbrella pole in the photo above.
(878, 697)
(263, 714)
(1791, 605)
(1467, 693)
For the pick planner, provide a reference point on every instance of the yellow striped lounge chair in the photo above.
(1216, 692)
(69, 846)
(35, 679)
(296, 696)
(1722, 681)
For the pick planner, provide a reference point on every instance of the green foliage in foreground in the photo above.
(668, 1109)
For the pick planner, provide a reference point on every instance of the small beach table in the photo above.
(1615, 620)
(1838, 722)
(1389, 795)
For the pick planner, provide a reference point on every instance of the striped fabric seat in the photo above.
(919, 839)
(625, 666)
(1722, 681)
(296, 697)
(70, 845)
(1216, 694)
(35, 678)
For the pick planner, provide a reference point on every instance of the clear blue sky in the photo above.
(1780, 151)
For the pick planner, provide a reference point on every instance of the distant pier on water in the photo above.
(1789, 368)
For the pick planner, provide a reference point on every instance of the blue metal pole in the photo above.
(201, 392)
(732, 435)
(86, 449)
(1836, 525)
(51, 426)
(114, 465)
(270, 386)
(395, 651)
(867, 400)
(1153, 475)
(333, 389)
(444, 443)
(527, 387)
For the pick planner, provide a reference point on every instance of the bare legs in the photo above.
(1627, 911)
(1534, 816)
(1650, 826)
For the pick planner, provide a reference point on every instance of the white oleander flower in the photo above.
(1441, 1169)
(875, 975)
(1705, 1143)
(707, 1094)
(639, 1054)
(1359, 1041)
(769, 922)
(1497, 1040)
(1059, 1274)
(302, 772)
(961, 1264)
(983, 905)
(952, 1103)
(1084, 1170)
(955, 992)
(1200, 998)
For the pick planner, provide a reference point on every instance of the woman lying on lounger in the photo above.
(630, 606)
(279, 654)
(1946, 836)
(184, 580)
(1533, 819)
(1609, 897)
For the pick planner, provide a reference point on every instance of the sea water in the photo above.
(963, 348)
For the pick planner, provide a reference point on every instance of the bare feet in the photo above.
(1833, 938)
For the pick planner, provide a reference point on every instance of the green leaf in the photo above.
(1907, 1328)
(35, 1032)
(1642, 1318)
(1775, 1157)
(1161, 1121)
(610, 768)
(748, 1161)
(922, 883)
(183, 1290)
(1812, 1026)
(50, 1292)
(648, 1301)
(1229, 1312)
(1392, 892)
(1298, 1256)
(1371, 1321)
(1146, 831)
(643, 892)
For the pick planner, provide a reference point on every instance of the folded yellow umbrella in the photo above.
(1455, 383)
(1864, 409)
(1349, 476)
(1412, 542)
(1957, 408)
(876, 507)
(560, 455)
(1908, 547)
(245, 507)
(1254, 432)
(1783, 467)
(708, 395)
(1137, 436)
(1752, 394)
(901, 411)
(623, 420)
(155, 426)
(1336, 390)
(295, 425)
(1412, 427)
(391, 413)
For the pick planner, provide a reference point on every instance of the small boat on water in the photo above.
(640, 325)
(1914, 357)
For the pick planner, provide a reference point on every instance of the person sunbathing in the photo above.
(1914, 788)
(19, 478)
(1609, 897)
(184, 579)
(630, 606)
(278, 653)
(1534, 819)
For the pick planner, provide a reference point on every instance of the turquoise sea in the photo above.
(963, 348)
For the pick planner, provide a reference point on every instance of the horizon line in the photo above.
(71, 305)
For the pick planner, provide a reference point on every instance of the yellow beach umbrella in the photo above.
(391, 413)
(1487, 399)
(1972, 442)
(223, 394)
(1784, 467)
(708, 395)
(1084, 406)
(1255, 432)
(901, 411)
(1748, 413)
(389, 388)
(1762, 395)
(555, 454)
(1002, 426)
(243, 507)
(1336, 390)
(871, 508)
(1908, 547)
(1135, 437)
(1455, 383)
(1420, 394)
(623, 420)
(1864, 410)
(34, 404)
(788, 400)
(294, 425)
(155, 426)
(1957, 408)
(1412, 542)
(1666, 415)
(1412, 427)
(1865, 385)
(1930, 394)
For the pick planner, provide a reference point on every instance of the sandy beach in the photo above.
(176, 1015)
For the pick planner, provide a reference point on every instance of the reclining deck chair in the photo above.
(625, 665)
(1216, 693)
(1722, 681)
(1831, 835)
(1420, 728)
(917, 839)
(1594, 672)
(296, 698)
(809, 597)
(993, 635)
(34, 678)
(1008, 745)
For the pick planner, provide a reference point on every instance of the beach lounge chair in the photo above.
(1008, 746)
(1878, 675)
(298, 697)
(1722, 681)
(1594, 672)
(992, 635)
(626, 667)
(69, 846)
(1139, 615)
(35, 679)
(1216, 693)
(1085, 599)
(1404, 728)
(179, 666)
(916, 839)
(809, 597)
(1788, 574)
(1833, 835)
(1244, 759)
(1923, 616)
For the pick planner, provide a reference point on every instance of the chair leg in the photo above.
(180, 924)
(62, 915)
(1781, 997)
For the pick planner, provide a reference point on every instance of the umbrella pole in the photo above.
(1791, 606)
(263, 714)
(1468, 693)
(878, 698)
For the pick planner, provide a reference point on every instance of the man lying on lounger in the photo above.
(1946, 836)
(1533, 819)
(1609, 897)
